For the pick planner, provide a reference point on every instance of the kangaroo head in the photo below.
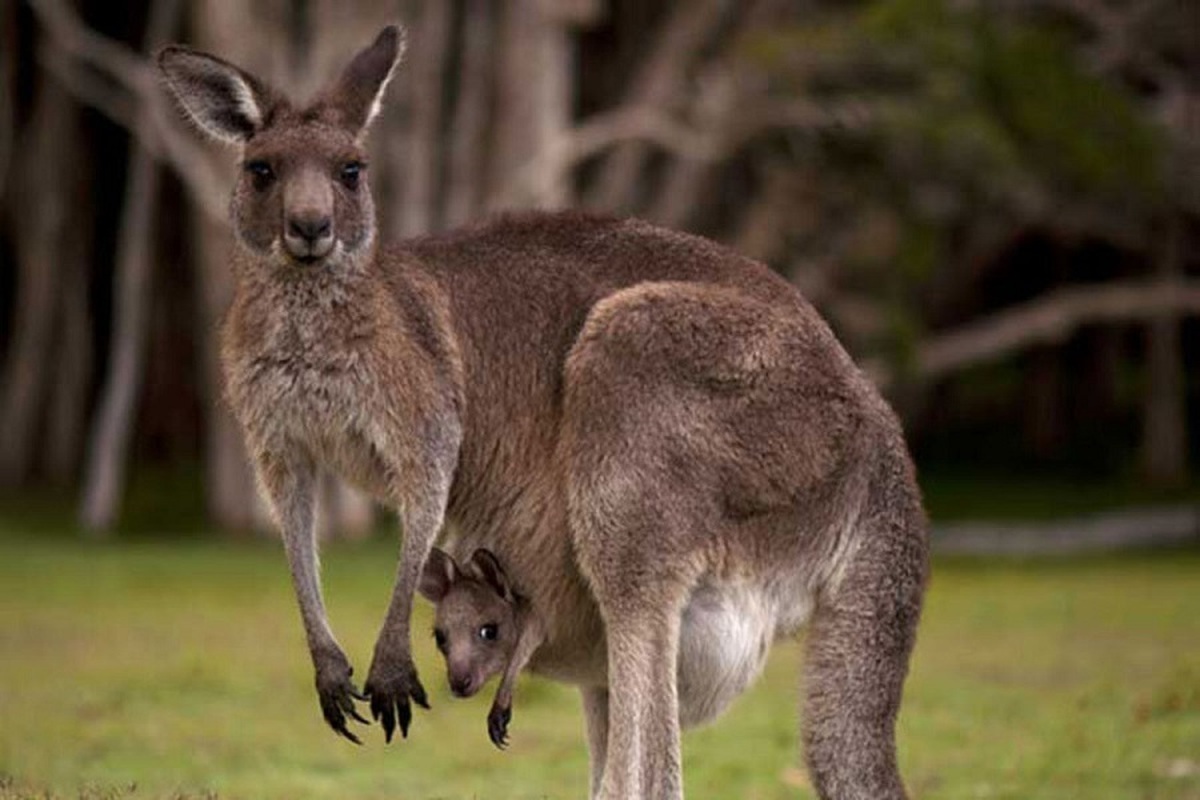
(476, 622)
(302, 200)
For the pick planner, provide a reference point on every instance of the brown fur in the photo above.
(661, 441)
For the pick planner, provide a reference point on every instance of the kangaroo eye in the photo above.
(350, 174)
(261, 172)
(439, 638)
(489, 632)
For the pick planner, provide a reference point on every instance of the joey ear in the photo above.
(440, 573)
(224, 101)
(486, 566)
(357, 95)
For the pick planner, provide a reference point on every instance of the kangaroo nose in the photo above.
(311, 229)
(461, 686)
(309, 237)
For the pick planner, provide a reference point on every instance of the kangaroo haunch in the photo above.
(659, 439)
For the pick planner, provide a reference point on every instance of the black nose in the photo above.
(311, 229)
(460, 686)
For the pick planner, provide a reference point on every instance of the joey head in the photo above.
(482, 628)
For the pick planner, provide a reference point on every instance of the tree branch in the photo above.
(658, 80)
(113, 426)
(648, 124)
(159, 129)
(469, 127)
(8, 123)
(1046, 320)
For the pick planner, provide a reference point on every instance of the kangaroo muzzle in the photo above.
(308, 233)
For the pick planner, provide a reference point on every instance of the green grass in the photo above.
(178, 669)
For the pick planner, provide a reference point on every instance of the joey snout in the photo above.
(463, 681)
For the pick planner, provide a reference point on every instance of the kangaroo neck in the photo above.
(319, 305)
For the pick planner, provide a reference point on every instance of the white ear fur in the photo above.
(357, 95)
(377, 100)
(246, 104)
(217, 96)
(439, 574)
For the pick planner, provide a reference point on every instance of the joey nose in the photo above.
(461, 685)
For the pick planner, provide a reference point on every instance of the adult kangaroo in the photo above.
(659, 437)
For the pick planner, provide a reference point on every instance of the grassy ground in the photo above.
(150, 669)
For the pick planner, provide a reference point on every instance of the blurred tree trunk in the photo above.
(760, 232)
(67, 406)
(1164, 433)
(534, 100)
(342, 512)
(681, 190)
(112, 431)
(389, 140)
(1165, 430)
(468, 133)
(229, 485)
(67, 422)
(718, 90)
(657, 84)
(43, 179)
(428, 44)
(8, 93)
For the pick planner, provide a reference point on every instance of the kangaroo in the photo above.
(482, 628)
(660, 437)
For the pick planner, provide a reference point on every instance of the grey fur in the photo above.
(659, 439)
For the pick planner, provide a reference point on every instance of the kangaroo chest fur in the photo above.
(303, 371)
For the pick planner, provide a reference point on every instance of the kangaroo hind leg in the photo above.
(643, 753)
(859, 644)
(641, 596)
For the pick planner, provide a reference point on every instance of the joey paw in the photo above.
(390, 687)
(498, 719)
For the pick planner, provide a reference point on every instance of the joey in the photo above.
(482, 628)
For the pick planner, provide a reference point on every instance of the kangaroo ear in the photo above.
(440, 573)
(224, 101)
(486, 567)
(357, 95)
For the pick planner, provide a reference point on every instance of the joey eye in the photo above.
(261, 173)
(489, 632)
(439, 638)
(350, 174)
